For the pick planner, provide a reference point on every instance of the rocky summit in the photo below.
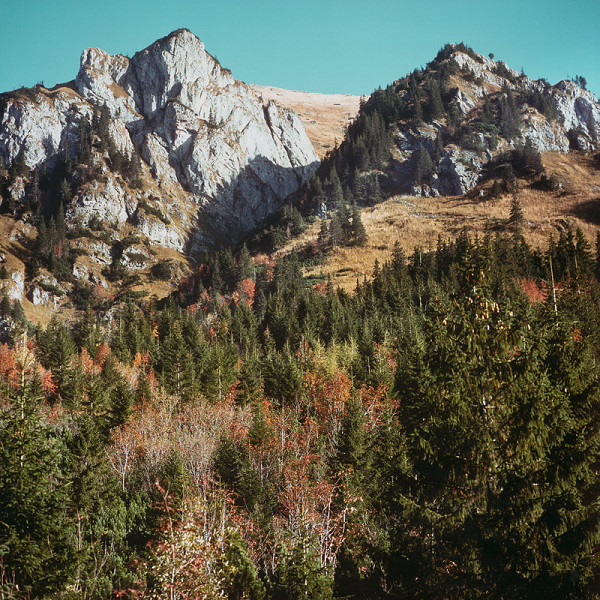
(211, 159)
(468, 111)
(447, 128)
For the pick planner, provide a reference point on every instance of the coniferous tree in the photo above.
(67, 156)
(84, 141)
(245, 268)
(336, 194)
(423, 166)
(516, 218)
(415, 98)
(359, 188)
(487, 116)
(299, 575)
(134, 171)
(34, 194)
(496, 189)
(359, 234)
(65, 192)
(103, 129)
(336, 233)
(345, 224)
(37, 557)
(438, 151)
(323, 237)
(510, 119)
(436, 106)
(489, 412)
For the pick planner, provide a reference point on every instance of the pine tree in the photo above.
(37, 557)
(359, 234)
(516, 218)
(490, 410)
(423, 166)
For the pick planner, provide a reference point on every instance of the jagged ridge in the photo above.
(440, 130)
(217, 159)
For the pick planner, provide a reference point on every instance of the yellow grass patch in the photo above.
(325, 116)
(418, 222)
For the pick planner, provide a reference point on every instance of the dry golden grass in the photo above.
(325, 116)
(418, 222)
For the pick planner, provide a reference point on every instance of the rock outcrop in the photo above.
(462, 145)
(216, 158)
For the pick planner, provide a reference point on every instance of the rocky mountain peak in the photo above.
(446, 128)
(216, 159)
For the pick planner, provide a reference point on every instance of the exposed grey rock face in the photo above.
(577, 109)
(107, 202)
(15, 287)
(459, 172)
(217, 159)
(545, 135)
(40, 124)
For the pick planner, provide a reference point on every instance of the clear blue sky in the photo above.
(344, 46)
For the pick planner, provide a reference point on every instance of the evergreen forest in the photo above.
(260, 435)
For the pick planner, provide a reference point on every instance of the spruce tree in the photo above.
(38, 559)
(498, 478)
(323, 237)
(423, 166)
(359, 233)
(84, 141)
(487, 116)
(516, 218)
(336, 233)
(34, 194)
(245, 268)
(436, 106)
(134, 171)
(103, 129)
(415, 98)
(65, 192)
(345, 224)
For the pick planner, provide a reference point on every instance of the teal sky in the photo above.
(330, 46)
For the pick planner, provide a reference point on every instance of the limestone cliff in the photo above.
(215, 159)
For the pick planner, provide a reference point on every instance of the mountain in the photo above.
(215, 159)
(444, 129)
(125, 176)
